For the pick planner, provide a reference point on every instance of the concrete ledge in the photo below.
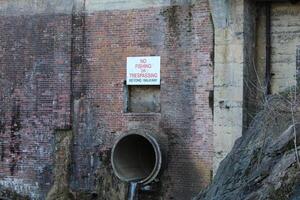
(31, 7)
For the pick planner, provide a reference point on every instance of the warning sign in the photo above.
(143, 70)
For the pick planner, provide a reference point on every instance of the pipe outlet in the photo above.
(136, 158)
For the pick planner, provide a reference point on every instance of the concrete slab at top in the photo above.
(31, 7)
(100, 5)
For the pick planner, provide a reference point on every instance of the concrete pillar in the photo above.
(228, 19)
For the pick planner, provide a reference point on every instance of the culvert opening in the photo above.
(136, 158)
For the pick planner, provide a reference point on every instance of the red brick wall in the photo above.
(34, 97)
(183, 37)
(37, 97)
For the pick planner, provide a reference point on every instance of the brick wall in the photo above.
(34, 97)
(39, 95)
(182, 36)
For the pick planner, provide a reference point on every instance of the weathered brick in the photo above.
(67, 71)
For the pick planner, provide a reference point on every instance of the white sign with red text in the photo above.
(143, 70)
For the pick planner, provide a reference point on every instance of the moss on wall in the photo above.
(62, 159)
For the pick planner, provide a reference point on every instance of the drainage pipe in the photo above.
(137, 157)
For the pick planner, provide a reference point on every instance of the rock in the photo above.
(262, 164)
(6, 194)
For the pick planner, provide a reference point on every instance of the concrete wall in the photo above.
(285, 23)
(240, 63)
(284, 41)
(228, 19)
(32, 7)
